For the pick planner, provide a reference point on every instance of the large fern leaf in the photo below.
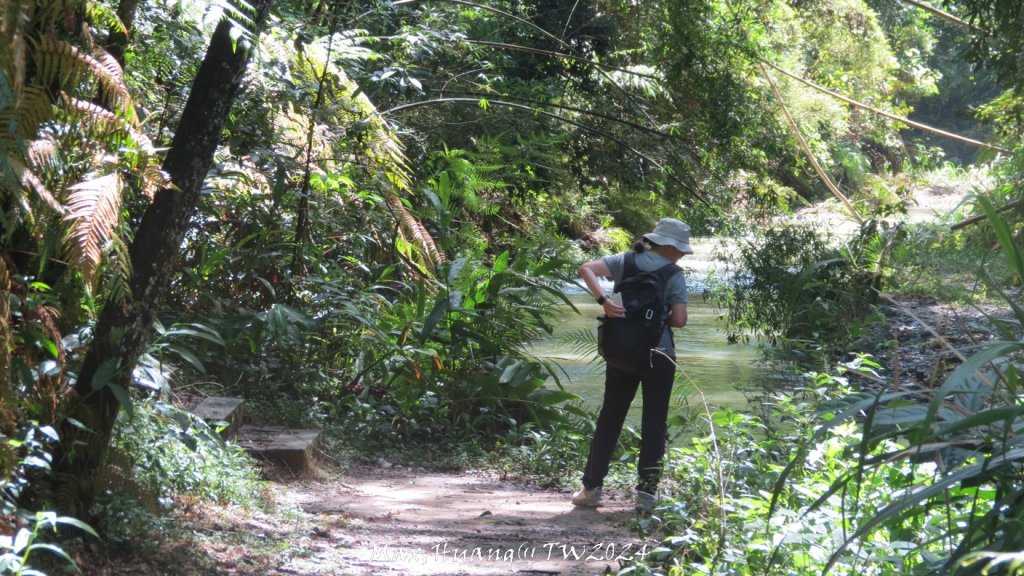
(43, 153)
(62, 64)
(94, 208)
(28, 179)
(416, 233)
(33, 108)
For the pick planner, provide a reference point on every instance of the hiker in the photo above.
(658, 251)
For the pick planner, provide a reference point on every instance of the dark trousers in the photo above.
(619, 389)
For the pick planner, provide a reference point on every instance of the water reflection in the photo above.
(707, 361)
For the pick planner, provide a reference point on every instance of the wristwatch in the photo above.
(602, 299)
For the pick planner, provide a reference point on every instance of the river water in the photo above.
(708, 363)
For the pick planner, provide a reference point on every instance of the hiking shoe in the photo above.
(645, 501)
(587, 497)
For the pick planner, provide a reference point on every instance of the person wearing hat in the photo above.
(669, 242)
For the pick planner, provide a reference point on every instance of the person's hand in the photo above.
(613, 310)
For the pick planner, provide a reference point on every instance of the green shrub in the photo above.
(758, 495)
(841, 481)
(544, 455)
(171, 452)
(792, 287)
(32, 539)
(962, 444)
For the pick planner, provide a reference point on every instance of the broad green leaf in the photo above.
(21, 540)
(957, 381)
(548, 397)
(103, 374)
(442, 305)
(922, 494)
(500, 263)
(123, 398)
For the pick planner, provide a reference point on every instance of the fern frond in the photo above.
(143, 143)
(153, 179)
(34, 108)
(110, 65)
(42, 153)
(59, 63)
(96, 111)
(416, 233)
(105, 16)
(240, 12)
(94, 209)
(13, 16)
(99, 117)
(29, 180)
(119, 289)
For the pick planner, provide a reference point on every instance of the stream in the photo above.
(707, 361)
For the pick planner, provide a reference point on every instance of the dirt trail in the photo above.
(400, 521)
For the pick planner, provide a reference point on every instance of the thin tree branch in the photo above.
(496, 11)
(302, 212)
(531, 50)
(902, 119)
(613, 119)
(943, 14)
(531, 25)
(979, 218)
(477, 96)
(810, 155)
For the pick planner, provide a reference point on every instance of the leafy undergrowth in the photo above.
(205, 538)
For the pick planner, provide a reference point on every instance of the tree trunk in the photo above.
(117, 42)
(123, 327)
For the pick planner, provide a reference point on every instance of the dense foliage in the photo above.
(364, 224)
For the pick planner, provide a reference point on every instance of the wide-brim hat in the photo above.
(672, 232)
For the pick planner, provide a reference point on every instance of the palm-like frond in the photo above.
(105, 16)
(43, 152)
(95, 111)
(414, 232)
(33, 107)
(94, 208)
(62, 64)
(100, 123)
(347, 126)
(153, 179)
(28, 179)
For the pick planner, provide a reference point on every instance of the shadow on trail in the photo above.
(396, 521)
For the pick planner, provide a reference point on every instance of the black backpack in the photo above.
(627, 342)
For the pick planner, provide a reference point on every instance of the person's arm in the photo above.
(677, 316)
(589, 273)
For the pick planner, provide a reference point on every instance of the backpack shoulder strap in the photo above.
(629, 267)
(667, 271)
(664, 274)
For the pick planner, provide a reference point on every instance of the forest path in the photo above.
(391, 520)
